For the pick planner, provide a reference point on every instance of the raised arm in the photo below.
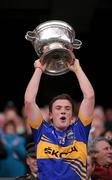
(87, 104)
(32, 111)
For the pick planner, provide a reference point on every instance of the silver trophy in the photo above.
(54, 42)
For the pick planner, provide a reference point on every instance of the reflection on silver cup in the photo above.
(57, 61)
(54, 42)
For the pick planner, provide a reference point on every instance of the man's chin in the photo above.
(63, 127)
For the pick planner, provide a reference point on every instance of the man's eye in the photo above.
(68, 108)
(57, 108)
(106, 148)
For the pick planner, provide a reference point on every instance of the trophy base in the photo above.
(57, 60)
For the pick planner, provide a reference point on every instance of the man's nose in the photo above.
(63, 112)
(110, 150)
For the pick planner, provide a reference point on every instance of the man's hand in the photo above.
(38, 64)
(74, 66)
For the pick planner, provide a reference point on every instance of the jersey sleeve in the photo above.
(35, 124)
(82, 128)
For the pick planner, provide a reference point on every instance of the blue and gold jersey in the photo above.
(61, 155)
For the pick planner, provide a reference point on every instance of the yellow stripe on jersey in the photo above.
(78, 170)
(44, 139)
(44, 136)
(35, 124)
(75, 151)
(80, 175)
(85, 121)
(72, 161)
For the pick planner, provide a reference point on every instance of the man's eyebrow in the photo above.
(64, 106)
(58, 106)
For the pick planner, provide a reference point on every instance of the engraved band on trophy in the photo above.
(54, 42)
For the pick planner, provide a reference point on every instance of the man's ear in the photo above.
(72, 120)
(95, 156)
(50, 116)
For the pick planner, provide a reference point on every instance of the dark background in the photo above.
(91, 20)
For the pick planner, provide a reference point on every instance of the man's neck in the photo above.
(59, 129)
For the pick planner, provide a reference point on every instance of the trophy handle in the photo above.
(77, 44)
(31, 36)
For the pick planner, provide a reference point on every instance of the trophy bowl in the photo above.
(54, 42)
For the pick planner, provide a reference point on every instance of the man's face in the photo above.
(104, 154)
(61, 114)
(32, 163)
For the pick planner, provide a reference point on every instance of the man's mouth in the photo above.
(110, 156)
(63, 118)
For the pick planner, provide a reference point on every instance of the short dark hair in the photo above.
(61, 96)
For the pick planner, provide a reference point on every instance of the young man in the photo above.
(61, 147)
